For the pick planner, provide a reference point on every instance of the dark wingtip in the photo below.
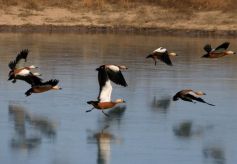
(89, 102)
(149, 56)
(210, 104)
(175, 98)
(204, 56)
(27, 94)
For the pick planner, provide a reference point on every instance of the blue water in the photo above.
(53, 127)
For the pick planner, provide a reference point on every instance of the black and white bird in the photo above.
(18, 67)
(190, 95)
(163, 55)
(106, 74)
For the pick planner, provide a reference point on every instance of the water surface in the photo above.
(53, 127)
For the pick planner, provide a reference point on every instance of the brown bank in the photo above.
(200, 17)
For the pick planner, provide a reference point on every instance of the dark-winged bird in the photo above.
(18, 67)
(37, 86)
(190, 95)
(219, 51)
(163, 55)
(106, 74)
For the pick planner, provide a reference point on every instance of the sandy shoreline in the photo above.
(114, 29)
(145, 19)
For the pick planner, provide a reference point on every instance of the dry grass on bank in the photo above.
(182, 5)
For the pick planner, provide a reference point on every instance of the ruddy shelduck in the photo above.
(219, 51)
(190, 95)
(37, 86)
(106, 74)
(18, 67)
(163, 55)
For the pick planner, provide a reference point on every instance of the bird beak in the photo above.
(204, 94)
(97, 69)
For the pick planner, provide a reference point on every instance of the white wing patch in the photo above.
(105, 93)
(193, 94)
(113, 68)
(160, 50)
(24, 72)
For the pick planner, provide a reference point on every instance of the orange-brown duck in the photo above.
(106, 74)
(190, 95)
(18, 67)
(37, 86)
(163, 55)
(219, 51)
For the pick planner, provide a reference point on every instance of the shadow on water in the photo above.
(27, 127)
(161, 105)
(214, 154)
(187, 129)
(115, 115)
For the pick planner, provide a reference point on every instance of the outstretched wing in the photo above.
(207, 48)
(164, 57)
(222, 47)
(102, 76)
(194, 96)
(30, 79)
(20, 60)
(116, 75)
(52, 82)
(105, 85)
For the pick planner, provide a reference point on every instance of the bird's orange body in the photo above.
(41, 89)
(104, 105)
(217, 55)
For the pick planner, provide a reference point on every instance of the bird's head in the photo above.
(173, 54)
(33, 67)
(230, 52)
(122, 67)
(200, 93)
(56, 87)
(120, 101)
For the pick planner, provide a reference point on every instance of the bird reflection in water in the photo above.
(115, 115)
(103, 140)
(183, 129)
(161, 105)
(187, 129)
(215, 154)
(27, 126)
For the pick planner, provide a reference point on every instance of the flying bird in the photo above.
(219, 51)
(18, 67)
(106, 74)
(190, 95)
(162, 54)
(37, 86)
